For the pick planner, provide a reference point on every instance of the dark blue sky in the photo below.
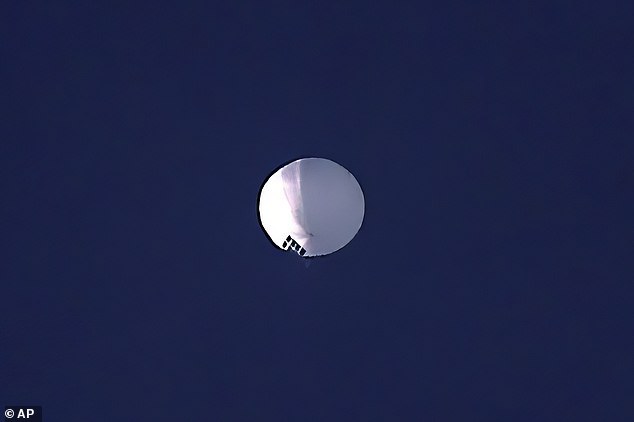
(491, 280)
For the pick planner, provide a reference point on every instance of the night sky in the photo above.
(492, 279)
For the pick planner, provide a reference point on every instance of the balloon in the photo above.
(313, 206)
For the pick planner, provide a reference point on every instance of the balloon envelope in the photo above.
(312, 205)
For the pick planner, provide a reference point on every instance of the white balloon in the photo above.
(312, 205)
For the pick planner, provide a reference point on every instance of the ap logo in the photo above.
(23, 413)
